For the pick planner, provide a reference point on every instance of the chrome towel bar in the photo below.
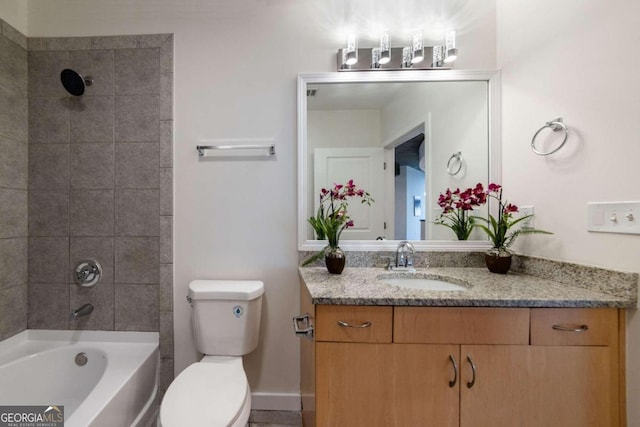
(270, 148)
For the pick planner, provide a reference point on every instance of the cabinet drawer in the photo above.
(351, 323)
(452, 325)
(574, 326)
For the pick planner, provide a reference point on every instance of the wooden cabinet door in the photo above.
(426, 385)
(354, 385)
(532, 386)
(386, 385)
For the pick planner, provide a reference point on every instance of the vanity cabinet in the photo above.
(450, 366)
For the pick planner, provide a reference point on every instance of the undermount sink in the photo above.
(423, 283)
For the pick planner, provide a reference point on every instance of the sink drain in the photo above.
(81, 359)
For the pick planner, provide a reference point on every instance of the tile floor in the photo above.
(275, 419)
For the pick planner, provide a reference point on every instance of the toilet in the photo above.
(214, 392)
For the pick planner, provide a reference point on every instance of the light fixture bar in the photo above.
(365, 61)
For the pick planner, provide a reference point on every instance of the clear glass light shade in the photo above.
(451, 53)
(350, 53)
(375, 57)
(406, 57)
(438, 56)
(385, 48)
(417, 48)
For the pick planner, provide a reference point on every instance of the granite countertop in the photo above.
(362, 286)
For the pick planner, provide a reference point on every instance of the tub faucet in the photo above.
(404, 255)
(85, 310)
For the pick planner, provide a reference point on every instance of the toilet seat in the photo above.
(213, 393)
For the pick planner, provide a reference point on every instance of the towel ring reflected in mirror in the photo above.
(556, 125)
(454, 165)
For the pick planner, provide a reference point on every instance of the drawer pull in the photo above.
(473, 371)
(581, 328)
(349, 325)
(453, 382)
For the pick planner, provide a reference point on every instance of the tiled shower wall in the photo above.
(99, 185)
(13, 181)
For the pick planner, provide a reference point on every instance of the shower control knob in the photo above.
(629, 217)
(613, 218)
(87, 273)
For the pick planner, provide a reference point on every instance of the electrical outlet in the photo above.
(524, 211)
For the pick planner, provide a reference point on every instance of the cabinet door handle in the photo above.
(581, 328)
(453, 382)
(473, 371)
(349, 325)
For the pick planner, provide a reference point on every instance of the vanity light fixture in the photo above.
(382, 56)
(417, 48)
(385, 48)
(450, 46)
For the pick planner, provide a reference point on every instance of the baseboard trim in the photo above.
(275, 401)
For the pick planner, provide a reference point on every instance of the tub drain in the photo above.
(81, 359)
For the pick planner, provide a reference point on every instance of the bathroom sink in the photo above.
(423, 283)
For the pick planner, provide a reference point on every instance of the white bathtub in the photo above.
(116, 387)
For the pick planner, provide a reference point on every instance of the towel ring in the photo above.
(454, 157)
(555, 125)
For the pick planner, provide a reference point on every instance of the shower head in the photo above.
(73, 82)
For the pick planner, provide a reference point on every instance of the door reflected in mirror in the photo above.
(405, 138)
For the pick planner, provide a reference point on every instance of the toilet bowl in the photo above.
(226, 323)
(212, 392)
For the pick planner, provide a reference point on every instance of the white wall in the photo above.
(236, 63)
(578, 60)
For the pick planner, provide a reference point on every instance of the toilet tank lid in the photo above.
(225, 289)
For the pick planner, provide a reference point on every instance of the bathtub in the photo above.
(116, 387)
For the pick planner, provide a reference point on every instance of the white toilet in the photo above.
(226, 323)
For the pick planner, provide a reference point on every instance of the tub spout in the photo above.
(85, 310)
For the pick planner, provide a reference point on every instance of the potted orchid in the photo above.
(332, 219)
(502, 231)
(456, 208)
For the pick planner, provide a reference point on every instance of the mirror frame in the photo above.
(492, 77)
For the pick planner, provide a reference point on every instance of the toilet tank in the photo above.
(226, 315)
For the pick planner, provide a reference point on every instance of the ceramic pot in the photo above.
(498, 260)
(335, 259)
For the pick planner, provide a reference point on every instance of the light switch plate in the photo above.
(614, 217)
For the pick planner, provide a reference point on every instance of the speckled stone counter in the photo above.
(362, 286)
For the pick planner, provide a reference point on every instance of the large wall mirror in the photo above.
(404, 136)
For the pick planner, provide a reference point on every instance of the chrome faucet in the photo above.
(85, 310)
(404, 255)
